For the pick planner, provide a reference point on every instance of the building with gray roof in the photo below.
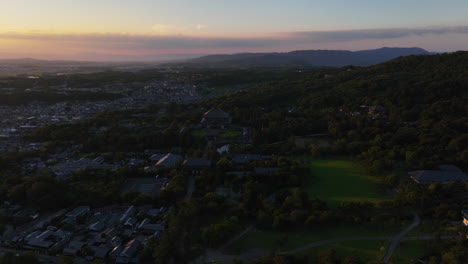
(446, 174)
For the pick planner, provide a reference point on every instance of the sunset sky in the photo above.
(145, 29)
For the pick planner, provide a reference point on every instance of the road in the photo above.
(394, 241)
(234, 239)
(218, 255)
(190, 188)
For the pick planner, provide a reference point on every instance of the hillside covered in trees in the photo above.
(424, 121)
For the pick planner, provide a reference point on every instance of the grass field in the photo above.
(295, 238)
(198, 133)
(231, 133)
(336, 180)
(364, 250)
(433, 228)
(408, 251)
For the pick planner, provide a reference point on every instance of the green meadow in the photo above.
(293, 238)
(337, 180)
(364, 250)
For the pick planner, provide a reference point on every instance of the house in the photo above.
(144, 222)
(376, 109)
(116, 241)
(74, 248)
(465, 216)
(445, 174)
(77, 212)
(195, 166)
(157, 157)
(115, 253)
(131, 222)
(169, 161)
(97, 227)
(247, 158)
(152, 228)
(130, 249)
(63, 169)
(39, 244)
(129, 213)
(100, 252)
(153, 212)
(216, 118)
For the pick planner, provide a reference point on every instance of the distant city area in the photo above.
(17, 121)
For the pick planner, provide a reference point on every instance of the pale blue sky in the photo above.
(223, 16)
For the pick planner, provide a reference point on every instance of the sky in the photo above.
(157, 29)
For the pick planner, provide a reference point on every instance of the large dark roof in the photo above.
(216, 113)
(170, 160)
(194, 162)
(246, 158)
(448, 173)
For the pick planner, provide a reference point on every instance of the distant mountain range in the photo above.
(301, 58)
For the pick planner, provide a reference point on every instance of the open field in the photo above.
(409, 251)
(336, 180)
(198, 133)
(296, 238)
(364, 250)
(231, 133)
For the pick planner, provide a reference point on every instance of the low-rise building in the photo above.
(446, 174)
(216, 118)
(196, 165)
(79, 211)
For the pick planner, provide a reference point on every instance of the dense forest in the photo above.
(424, 122)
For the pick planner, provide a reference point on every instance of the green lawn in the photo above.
(336, 180)
(295, 238)
(198, 133)
(433, 228)
(364, 250)
(231, 133)
(408, 251)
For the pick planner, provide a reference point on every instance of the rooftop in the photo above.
(215, 113)
(447, 173)
(170, 160)
(195, 162)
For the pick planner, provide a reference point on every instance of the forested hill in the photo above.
(425, 100)
(301, 58)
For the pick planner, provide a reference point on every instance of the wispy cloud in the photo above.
(385, 33)
(201, 26)
(166, 39)
(171, 39)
